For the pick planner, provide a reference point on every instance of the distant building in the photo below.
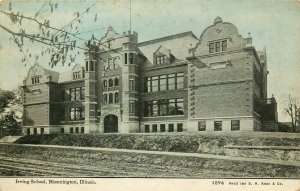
(171, 84)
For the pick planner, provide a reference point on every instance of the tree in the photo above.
(58, 44)
(11, 112)
(292, 109)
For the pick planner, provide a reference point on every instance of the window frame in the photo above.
(218, 126)
(233, 125)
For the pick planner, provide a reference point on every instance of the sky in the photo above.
(273, 24)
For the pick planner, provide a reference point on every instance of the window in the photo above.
(154, 85)
(235, 125)
(172, 107)
(171, 127)
(77, 93)
(105, 98)
(162, 127)
(82, 93)
(116, 81)
(154, 108)
(125, 58)
(179, 127)
(211, 47)
(71, 129)
(179, 107)
(164, 107)
(171, 82)
(154, 128)
(110, 98)
(111, 65)
(115, 64)
(35, 79)
(99, 113)
(218, 126)
(131, 85)
(86, 65)
(179, 81)
(72, 94)
(224, 45)
(148, 85)
(148, 108)
(163, 82)
(116, 97)
(42, 131)
(147, 129)
(82, 130)
(62, 130)
(110, 83)
(92, 113)
(91, 66)
(161, 59)
(132, 107)
(28, 131)
(105, 83)
(105, 66)
(202, 126)
(76, 129)
(76, 75)
(217, 46)
(130, 58)
(76, 113)
(34, 131)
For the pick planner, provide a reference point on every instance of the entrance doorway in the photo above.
(111, 124)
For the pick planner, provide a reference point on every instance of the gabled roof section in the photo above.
(177, 44)
(68, 76)
(162, 49)
(166, 38)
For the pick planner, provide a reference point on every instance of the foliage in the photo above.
(292, 109)
(11, 112)
(59, 44)
(190, 143)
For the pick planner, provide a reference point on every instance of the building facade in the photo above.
(171, 84)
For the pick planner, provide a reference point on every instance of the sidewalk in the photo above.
(206, 156)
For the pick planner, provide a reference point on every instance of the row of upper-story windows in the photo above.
(111, 82)
(77, 93)
(235, 125)
(164, 82)
(217, 46)
(164, 107)
(111, 98)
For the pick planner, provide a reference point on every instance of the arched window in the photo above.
(105, 98)
(116, 81)
(110, 101)
(116, 97)
(105, 83)
(110, 83)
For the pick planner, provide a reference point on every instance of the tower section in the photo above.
(130, 77)
(90, 89)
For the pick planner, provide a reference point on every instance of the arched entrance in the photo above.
(111, 124)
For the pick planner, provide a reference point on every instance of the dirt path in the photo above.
(50, 160)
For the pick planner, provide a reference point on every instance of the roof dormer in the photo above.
(162, 56)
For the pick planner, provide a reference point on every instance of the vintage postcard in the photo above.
(149, 95)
